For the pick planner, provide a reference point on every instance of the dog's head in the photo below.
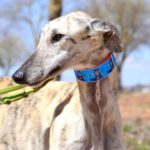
(74, 41)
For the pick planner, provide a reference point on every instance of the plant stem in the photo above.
(20, 91)
(17, 95)
(11, 88)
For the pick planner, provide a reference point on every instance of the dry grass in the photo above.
(135, 109)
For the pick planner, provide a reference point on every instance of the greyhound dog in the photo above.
(78, 41)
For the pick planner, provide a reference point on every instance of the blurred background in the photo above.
(21, 22)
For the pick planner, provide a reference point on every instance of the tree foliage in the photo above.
(12, 50)
(24, 14)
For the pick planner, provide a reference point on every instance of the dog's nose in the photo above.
(18, 77)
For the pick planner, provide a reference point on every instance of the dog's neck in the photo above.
(93, 97)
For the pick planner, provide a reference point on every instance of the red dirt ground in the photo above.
(135, 106)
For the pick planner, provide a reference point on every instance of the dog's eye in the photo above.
(57, 37)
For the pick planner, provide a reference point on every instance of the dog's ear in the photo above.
(110, 34)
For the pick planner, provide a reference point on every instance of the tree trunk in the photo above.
(55, 9)
(119, 78)
(119, 66)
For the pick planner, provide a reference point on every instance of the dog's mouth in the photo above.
(41, 83)
(50, 76)
(55, 71)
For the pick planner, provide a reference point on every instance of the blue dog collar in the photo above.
(98, 73)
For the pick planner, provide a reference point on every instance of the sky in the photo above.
(136, 69)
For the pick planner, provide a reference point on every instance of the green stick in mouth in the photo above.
(11, 88)
(17, 92)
